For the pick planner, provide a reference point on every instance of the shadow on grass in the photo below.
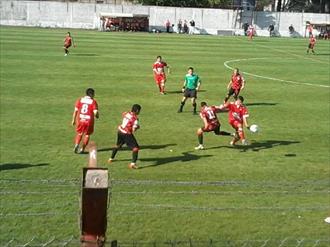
(180, 92)
(260, 104)
(322, 54)
(160, 146)
(13, 166)
(84, 54)
(257, 146)
(186, 156)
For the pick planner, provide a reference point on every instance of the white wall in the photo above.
(86, 15)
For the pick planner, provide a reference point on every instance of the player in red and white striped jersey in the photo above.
(125, 135)
(211, 123)
(85, 110)
(235, 85)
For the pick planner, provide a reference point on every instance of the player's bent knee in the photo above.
(199, 132)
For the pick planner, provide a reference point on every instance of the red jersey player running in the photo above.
(83, 117)
(68, 41)
(311, 44)
(235, 85)
(211, 123)
(125, 135)
(237, 117)
(159, 73)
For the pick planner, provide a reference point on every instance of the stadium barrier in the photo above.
(208, 21)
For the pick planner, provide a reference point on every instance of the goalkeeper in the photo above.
(190, 88)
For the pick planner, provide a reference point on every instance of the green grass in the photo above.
(276, 188)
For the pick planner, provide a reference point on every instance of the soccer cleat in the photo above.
(199, 147)
(179, 111)
(65, 54)
(232, 143)
(132, 166)
(75, 149)
(110, 160)
(245, 142)
(81, 151)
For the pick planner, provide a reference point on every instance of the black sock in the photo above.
(224, 133)
(194, 105)
(114, 152)
(181, 106)
(134, 156)
(200, 139)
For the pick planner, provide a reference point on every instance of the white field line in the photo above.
(267, 77)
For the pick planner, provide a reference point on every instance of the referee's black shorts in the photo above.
(190, 93)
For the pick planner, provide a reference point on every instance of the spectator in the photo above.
(192, 27)
(245, 28)
(271, 30)
(291, 30)
(185, 27)
(167, 25)
(109, 24)
(179, 26)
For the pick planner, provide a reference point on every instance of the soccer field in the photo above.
(276, 189)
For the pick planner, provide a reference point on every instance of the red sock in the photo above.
(241, 134)
(85, 141)
(78, 139)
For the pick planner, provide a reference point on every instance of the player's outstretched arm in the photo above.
(198, 86)
(245, 121)
(96, 114)
(229, 85)
(243, 84)
(74, 115)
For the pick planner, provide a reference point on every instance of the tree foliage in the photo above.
(189, 3)
(316, 6)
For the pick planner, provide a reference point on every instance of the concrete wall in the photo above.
(86, 15)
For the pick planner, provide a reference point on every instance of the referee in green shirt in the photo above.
(191, 85)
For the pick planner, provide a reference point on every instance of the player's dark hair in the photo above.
(136, 108)
(241, 98)
(90, 92)
(69, 33)
(159, 57)
(203, 104)
(237, 69)
(191, 68)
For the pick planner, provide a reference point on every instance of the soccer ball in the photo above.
(254, 128)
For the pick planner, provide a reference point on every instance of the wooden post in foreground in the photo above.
(94, 202)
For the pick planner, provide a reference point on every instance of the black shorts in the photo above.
(310, 46)
(215, 127)
(234, 92)
(127, 139)
(190, 93)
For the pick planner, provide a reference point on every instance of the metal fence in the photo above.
(73, 241)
